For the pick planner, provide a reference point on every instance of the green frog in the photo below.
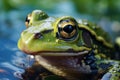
(70, 48)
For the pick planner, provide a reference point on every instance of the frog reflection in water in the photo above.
(69, 48)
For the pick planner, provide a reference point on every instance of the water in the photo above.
(12, 61)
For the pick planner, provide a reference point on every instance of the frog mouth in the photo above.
(63, 53)
(65, 63)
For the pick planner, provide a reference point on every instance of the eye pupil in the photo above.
(68, 28)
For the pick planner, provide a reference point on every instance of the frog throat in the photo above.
(61, 65)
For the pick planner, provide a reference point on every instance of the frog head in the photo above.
(52, 36)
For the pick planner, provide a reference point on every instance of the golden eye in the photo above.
(27, 20)
(67, 29)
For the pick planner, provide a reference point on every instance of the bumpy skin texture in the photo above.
(67, 48)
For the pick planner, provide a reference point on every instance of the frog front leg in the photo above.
(113, 73)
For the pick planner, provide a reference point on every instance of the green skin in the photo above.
(73, 57)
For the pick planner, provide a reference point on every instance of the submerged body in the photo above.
(70, 48)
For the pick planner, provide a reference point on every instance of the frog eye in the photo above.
(67, 29)
(27, 20)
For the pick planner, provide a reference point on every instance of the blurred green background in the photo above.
(105, 13)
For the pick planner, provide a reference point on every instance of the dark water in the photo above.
(12, 61)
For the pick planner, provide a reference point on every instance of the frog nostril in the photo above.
(38, 35)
